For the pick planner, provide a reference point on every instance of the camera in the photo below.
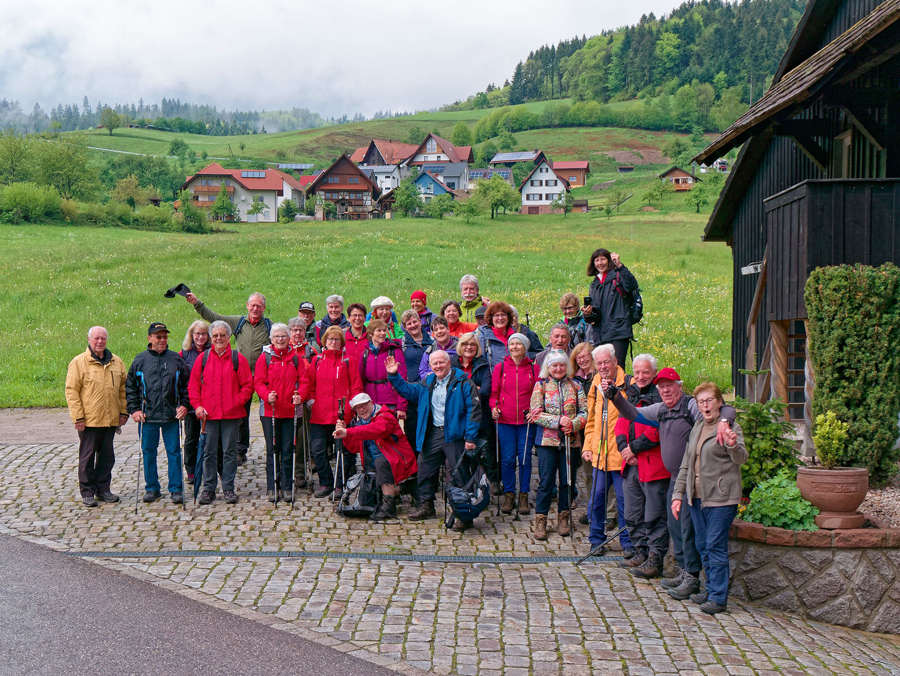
(611, 391)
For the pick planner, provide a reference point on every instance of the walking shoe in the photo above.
(461, 526)
(496, 488)
(634, 562)
(690, 585)
(387, 509)
(650, 569)
(674, 581)
(230, 497)
(540, 527)
(206, 497)
(629, 552)
(338, 493)
(270, 496)
(241, 457)
(107, 496)
(301, 483)
(152, 496)
(89, 501)
(509, 503)
(564, 523)
(323, 492)
(711, 607)
(423, 511)
(190, 478)
(281, 493)
(583, 519)
(177, 498)
(598, 551)
(523, 504)
(700, 598)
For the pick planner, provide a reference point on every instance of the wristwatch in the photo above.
(726, 421)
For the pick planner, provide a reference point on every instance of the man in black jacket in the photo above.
(156, 393)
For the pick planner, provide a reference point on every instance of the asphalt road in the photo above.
(63, 615)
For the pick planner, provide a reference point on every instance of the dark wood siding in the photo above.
(847, 14)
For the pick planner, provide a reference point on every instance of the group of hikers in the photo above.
(469, 390)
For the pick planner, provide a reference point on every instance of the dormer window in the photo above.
(431, 146)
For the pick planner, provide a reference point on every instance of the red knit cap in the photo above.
(418, 295)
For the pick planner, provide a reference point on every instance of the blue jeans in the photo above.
(711, 525)
(514, 447)
(552, 461)
(597, 506)
(683, 536)
(150, 443)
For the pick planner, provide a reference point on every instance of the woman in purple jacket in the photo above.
(373, 373)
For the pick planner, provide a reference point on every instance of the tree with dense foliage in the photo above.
(697, 197)
(192, 218)
(495, 194)
(16, 156)
(178, 148)
(224, 207)
(287, 211)
(129, 190)
(439, 205)
(406, 197)
(461, 134)
(564, 202)
(469, 208)
(110, 120)
(415, 135)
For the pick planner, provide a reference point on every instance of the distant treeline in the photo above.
(725, 44)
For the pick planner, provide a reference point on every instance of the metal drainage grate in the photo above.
(380, 556)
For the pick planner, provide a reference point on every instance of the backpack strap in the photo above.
(234, 360)
(240, 326)
(205, 358)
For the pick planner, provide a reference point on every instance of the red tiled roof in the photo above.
(461, 154)
(317, 181)
(359, 155)
(393, 152)
(274, 179)
(577, 164)
(305, 180)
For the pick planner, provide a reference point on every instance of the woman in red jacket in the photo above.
(220, 385)
(372, 372)
(512, 383)
(280, 373)
(451, 311)
(356, 340)
(332, 378)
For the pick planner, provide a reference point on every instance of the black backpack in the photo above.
(683, 412)
(243, 320)
(360, 497)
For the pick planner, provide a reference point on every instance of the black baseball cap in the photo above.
(306, 305)
(480, 311)
(157, 327)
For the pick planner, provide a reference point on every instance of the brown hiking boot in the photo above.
(423, 511)
(634, 562)
(540, 526)
(563, 523)
(509, 503)
(523, 504)
(652, 568)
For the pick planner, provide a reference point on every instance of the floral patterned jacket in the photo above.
(550, 400)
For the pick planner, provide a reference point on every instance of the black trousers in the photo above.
(243, 442)
(383, 473)
(435, 454)
(192, 428)
(95, 460)
(411, 424)
(320, 440)
(282, 431)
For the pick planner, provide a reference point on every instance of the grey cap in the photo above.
(522, 339)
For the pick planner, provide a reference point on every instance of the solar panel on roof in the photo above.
(514, 157)
(437, 169)
(504, 174)
(298, 167)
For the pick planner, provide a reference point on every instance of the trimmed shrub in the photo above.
(767, 435)
(777, 502)
(29, 202)
(854, 331)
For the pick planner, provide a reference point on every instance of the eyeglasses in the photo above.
(568, 308)
(706, 401)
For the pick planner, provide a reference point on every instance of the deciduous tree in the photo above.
(110, 119)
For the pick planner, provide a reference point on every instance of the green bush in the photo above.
(830, 440)
(29, 202)
(777, 502)
(153, 218)
(854, 330)
(767, 436)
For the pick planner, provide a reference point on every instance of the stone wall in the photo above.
(850, 578)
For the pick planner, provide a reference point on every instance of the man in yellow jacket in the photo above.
(601, 449)
(95, 394)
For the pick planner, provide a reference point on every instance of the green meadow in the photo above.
(59, 281)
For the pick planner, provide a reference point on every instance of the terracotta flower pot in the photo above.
(837, 493)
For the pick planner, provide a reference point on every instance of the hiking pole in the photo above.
(499, 472)
(519, 465)
(569, 486)
(294, 458)
(596, 549)
(339, 457)
(180, 440)
(137, 493)
(276, 471)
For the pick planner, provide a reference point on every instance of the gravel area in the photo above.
(884, 503)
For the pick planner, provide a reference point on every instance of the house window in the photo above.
(551, 196)
(353, 179)
(266, 215)
(573, 179)
(536, 184)
(551, 183)
(451, 185)
(431, 146)
(258, 198)
(533, 197)
(334, 179)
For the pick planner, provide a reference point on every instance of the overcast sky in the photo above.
(330, 56)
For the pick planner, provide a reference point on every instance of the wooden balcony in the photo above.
(211, 189)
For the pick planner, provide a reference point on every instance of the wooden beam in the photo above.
(868, 125)
(812, 150)
(762, 383)
(779, 337)
(818, 127)
(757, 295)
(869, 97)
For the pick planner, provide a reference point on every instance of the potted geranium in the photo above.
(837, 491)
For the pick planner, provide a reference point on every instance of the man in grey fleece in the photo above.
(675, 416)
(251, 335)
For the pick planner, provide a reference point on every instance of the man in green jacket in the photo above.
(471, 299)
(251, 334)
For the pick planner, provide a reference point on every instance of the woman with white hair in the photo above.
(334, 306)
(559, 411)
(383, 308)
(196, 342)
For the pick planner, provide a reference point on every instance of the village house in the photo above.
(575, 172)
(344, 184)
(386, 176)
(476, 175)
(679, 178)
(541, 188)
(509, 159)
(429, 185)
(441, 157)
(271, 187)
(380, 152)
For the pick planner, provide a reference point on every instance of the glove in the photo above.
(611, 391)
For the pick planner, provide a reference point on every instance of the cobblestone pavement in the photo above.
(443, 617)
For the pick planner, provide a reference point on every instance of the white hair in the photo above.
(606, 347)
(468, 279)
(91, 330)
(439, 353)
(335, 299)
(649, 358)
(295, 321)
(220, 325)
(278, 326)
(556, 357)
(257, 294)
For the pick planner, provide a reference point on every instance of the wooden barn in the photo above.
(817, 183)
(680, 179)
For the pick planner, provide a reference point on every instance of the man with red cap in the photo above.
(418, 301)
(675, 416)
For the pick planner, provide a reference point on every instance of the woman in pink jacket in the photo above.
(512, 383)
(372, 372)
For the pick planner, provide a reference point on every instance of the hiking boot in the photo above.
(523, 504)
(650, 568)
(564, 523)
(300, 483)
(151, 496)
(628, 553)
(689, 585)
(700, 598)
(241, 457)
(230, 497)
(540, 526)
(89, 501)
(711, 608)
(206, 497)
(270, 496)
(387, 509)
(634, 562)
(461, 526)
(107, 496)
(423, 511)
(496, 488)
(280, 493)
(323, 492)
(177, 498)
(509, 503)
(674, 581)
(190, 478)
(598, 551)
